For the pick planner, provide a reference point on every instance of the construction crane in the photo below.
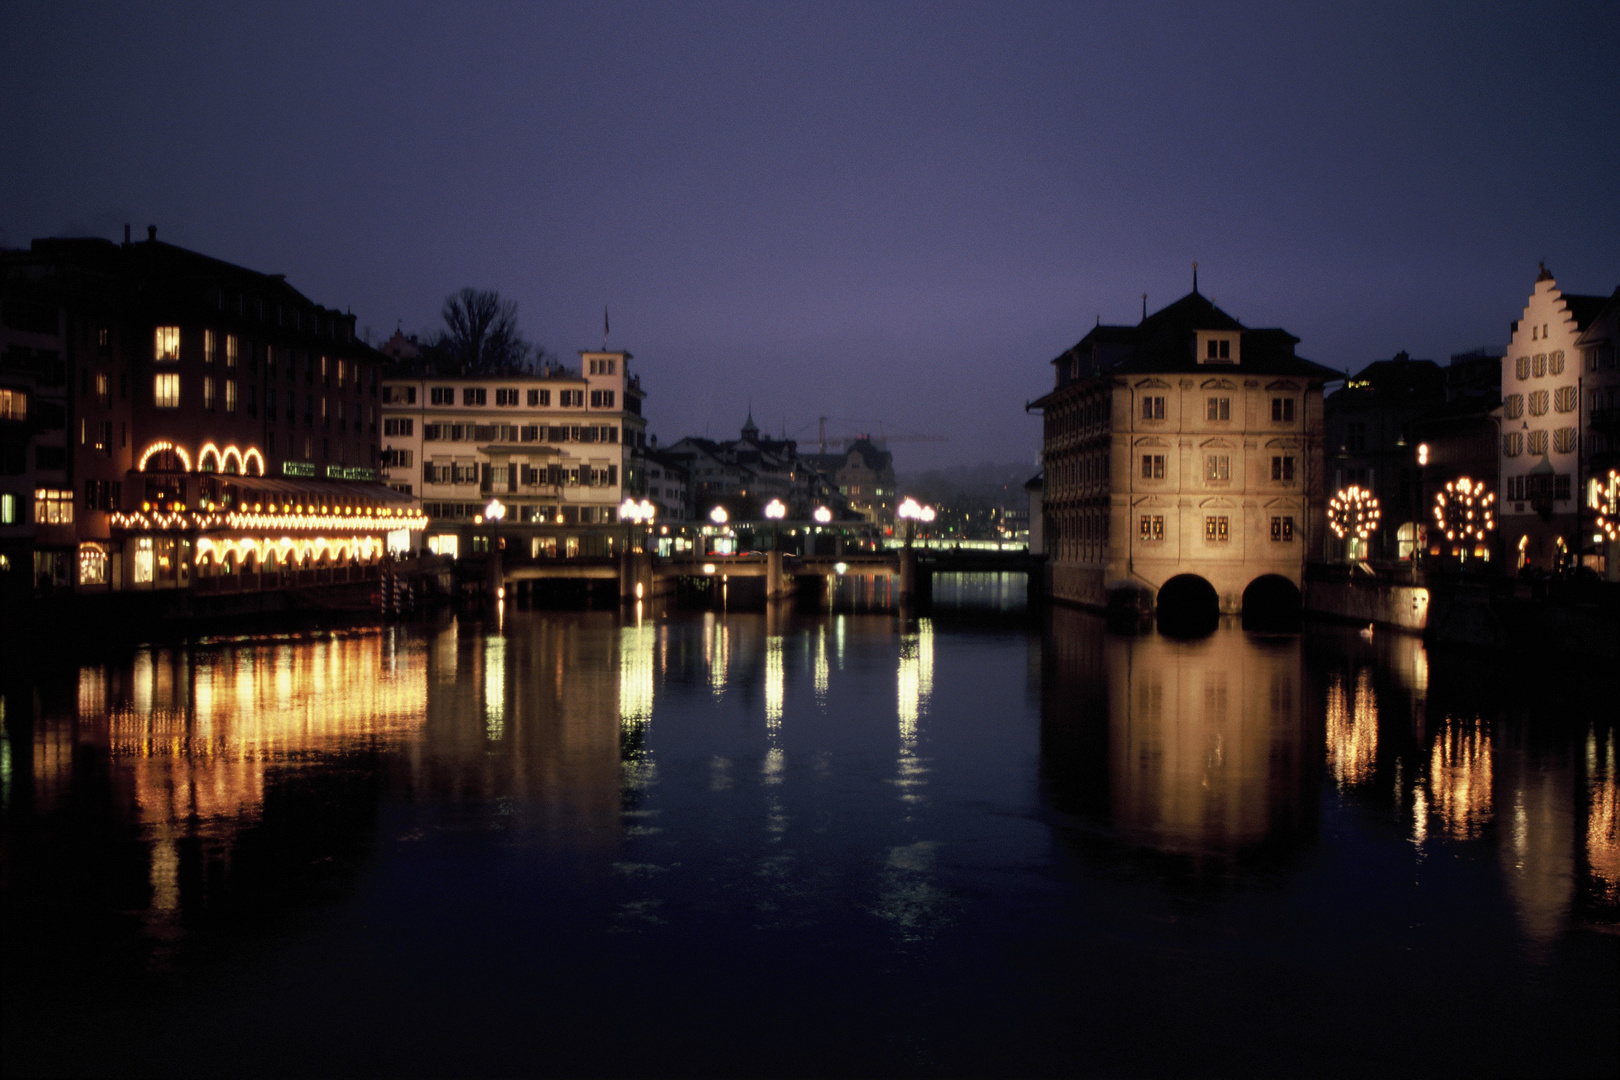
(865, 428)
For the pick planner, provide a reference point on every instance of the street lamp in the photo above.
(822, 515)
(912, 512)
(776, 511)
(719, 516)
(638, 513)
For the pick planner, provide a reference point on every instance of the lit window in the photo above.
(92, 564)
(1152, 526)
(13, 405)
(166, 391)
(1217, 467)
(144, 561)
(230, 395)
(166, 343)
(210, 346)
(1282, 529)
(1217, 529)
(53, 506)
(1219, 408)
(231, 355)
(208, 392)
(8, 509)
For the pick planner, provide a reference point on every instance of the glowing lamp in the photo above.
(822, 515)
(775, 510)
(719, 516)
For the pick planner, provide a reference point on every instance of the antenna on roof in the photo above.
(1099, 318)
(1144, 307)
(1195, 276)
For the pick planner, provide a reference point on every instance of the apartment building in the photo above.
(556, 451)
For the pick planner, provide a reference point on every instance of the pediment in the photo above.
(1282, 444)
(1217, 444)
(1281, 504)
(1155, 501)
(1283, 384)
(1152, 440)
(1218, 384)
(1217, 504)
(1152, 384)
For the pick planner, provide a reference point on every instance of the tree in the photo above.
(481, 336)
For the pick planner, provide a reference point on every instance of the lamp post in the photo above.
(719, 516)
(912, 512)
(637, 513)
(494, 514)
(776, 511)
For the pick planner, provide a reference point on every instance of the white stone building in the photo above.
(558, 450)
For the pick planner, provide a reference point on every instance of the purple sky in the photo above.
(889, 213)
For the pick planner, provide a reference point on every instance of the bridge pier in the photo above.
(908, 575)
(635, 576)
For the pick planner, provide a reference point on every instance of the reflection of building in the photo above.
(1542, 436)
(1206, 744)
(558, 449)
(188, 391)
(1185, 445)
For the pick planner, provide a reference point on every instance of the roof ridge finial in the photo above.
(1544, 274)
(1195, 277)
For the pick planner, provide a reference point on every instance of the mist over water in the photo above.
(732, 842)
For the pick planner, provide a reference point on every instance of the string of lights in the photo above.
(1353, 511)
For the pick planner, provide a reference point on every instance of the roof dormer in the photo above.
(1218, 347)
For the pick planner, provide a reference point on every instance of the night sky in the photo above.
(890, 213)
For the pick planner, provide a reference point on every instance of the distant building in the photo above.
(864, 475)
(558, 451)
(1543, 424)
(1601, 425)
(746, 473)
(1371, 424)
(154, 392)
(669, 487)
(1183, 456)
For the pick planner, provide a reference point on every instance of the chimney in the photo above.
(151, 233)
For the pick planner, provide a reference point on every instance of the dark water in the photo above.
(731, 843)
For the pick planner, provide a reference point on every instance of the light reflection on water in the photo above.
(736, 774)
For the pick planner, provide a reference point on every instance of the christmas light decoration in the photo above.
(1607, 504)
(1353, 512)
(1465, 512)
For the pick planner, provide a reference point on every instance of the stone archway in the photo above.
(1272, 603)
(1188, 606)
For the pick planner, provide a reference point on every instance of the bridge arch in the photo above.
(1272, 603)
(1188, 606)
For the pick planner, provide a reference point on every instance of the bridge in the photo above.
(642, 575)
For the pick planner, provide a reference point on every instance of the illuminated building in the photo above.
(194, 389)
(559, 450)
(1545, 422)
(1187, 448)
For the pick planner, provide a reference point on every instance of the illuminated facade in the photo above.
(558, 450)
(1187, 446)
(1547, 435)
(190, 383)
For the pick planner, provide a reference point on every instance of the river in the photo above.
(668, 841)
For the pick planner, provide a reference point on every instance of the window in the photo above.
(1152, 408)
(53, 506)
(539, 397)
(166, 343)
(1537, 442)
(398, 458)
(166, 391)
(1153, 466)
(399, 395)
(1512, 444)
(210, 346)
(473, 395)
(1561, 486)
(230, 395)
(342, 372)
(13, 405)
(1565, 399)
(230, 350)
(571, 399)
(442, 395)
(1218, 349)
(1522, 367)
(8, 509)
(1218, 408)
(1282, 468)
(1538, 403)
(398, 426)
(1282, 529)
(1217, 529)
(92, 564)
(1152, 526)
(601, 399)
(1555, 362)
(506, 395)
(1538, 365)
(103, 390)
(1513, 406)
(1564, 440)
(1282, 410)
(1217, 467)
(208, 392)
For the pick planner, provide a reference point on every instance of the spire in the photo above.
(750, 430)
(1195, 278)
